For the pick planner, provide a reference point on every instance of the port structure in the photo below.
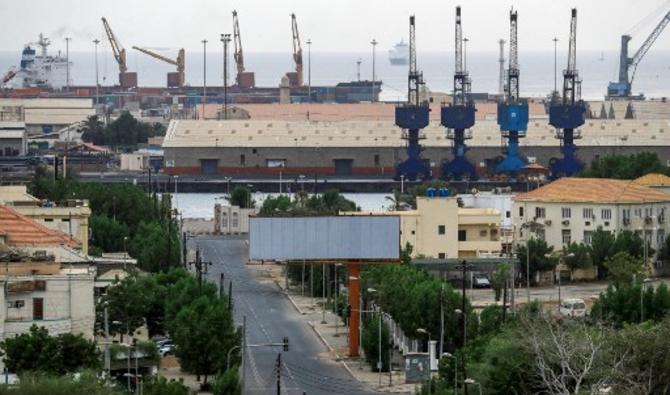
(174, 79)
(512, 110)
(126, 79)
(459, 115)
(244, 79)
(622, 89)
(412, 117)
(295, 78)
(567, 113)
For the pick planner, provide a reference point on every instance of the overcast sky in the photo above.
(334, 25)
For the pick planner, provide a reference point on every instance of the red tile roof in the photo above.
(22, 231)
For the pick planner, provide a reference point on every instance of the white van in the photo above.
(573, 308)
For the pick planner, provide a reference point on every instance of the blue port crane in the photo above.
(622, 89)
(459, 115)
(512, 110)
(567, 113)
(412, 117)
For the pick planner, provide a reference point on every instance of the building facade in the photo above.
(13, 139)
(438, 228)
(231, 220)
(571, 209)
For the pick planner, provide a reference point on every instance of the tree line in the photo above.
(125, 131)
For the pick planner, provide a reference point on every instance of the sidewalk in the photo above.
(334, 335)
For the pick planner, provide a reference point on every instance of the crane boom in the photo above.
(513, 69)
(157, 56)
(180, 62)
(297, 50)
(237, 42)
(648, 43)
(117, 48)
(571, 83)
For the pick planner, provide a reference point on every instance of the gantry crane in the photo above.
(295, 77)
(412, 117)
(459, 115)
(174, 80)
(568, 114)
(244, 79)
(126, 79)
(512, 109)
(622, 88)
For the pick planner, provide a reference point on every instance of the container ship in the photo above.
(38, 70)
(399, 54)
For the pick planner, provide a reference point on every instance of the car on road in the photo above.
(481, 281)
(573, 308)
(166, 349)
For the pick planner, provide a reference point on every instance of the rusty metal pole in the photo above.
(354, 302)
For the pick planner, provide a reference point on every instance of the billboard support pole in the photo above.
(354, 302)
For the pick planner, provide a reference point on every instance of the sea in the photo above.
(596, 69)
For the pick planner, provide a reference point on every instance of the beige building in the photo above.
(46, 115)
(230, 220)
(70, 217)
(571, 209)
(656, 181)
(438, 228)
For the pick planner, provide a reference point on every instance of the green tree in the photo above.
(601, 248)
(36, 350)
(241, 196)
(577, 256)
(406, 254)
(540, 257)
(630, 242)
(228, 383)
(156, 246)
(107, 233)
(276, 205)
(88, 383)
(158, 385)
(93, 130)
(625, 166)
(370, 342)
(127, 303)
(622, 267)
(499, 279)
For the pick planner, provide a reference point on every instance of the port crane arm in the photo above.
(571, 82)
(157, 56)
(237, 42)
(513, 89)
(637, 58)
(117, 48)
(297, 49)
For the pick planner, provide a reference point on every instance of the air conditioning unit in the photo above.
(648, 220)
(626, 221)
(547, 222)
(587, 223)
(566, 222)
(607, 223)
(661, 220)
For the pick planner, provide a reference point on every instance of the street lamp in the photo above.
(204, 76)
(309, 69)
(374, 76)
(379, 357)
(67, 62)
(561, 261)
(532, 226)
(555, 40)
(470, 381)
(97, 84)
(225, 39)
(451, 356)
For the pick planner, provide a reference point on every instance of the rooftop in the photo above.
(653, 180)
(11, 194)
(22, 231)
(593, 190)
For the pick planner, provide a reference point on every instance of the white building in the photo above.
(13, 138)
(571, 209)
(231, 219)
(500, 199)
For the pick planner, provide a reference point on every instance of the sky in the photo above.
(333, 26)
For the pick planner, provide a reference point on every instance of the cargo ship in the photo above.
(38, 70)
(399, 54)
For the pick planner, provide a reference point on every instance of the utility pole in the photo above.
(309, 69)
(374, 76)
(222, 276)
(358, 69)
(555, 40)
(67, 62)
(279, 374)
(441, 319)
(107, 355)
(97, 84)
(200, 267)
(465, 268)
(204, 76)
(225, 39)
(230, 294)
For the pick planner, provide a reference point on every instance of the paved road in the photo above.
(270, 317)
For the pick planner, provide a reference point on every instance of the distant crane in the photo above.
(126, 79)
(244, 79)
(295, 77)
(174, 80)
(412, 117)
(568, 114)
(459, 115)
(622, 89)
(512, 110)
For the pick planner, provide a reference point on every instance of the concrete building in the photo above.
(438, 228)
(656, 181)
(231, 220)
(500, 199)
(70, 217)
(374, 147)
(44, 115)
(13, 139)
(571, 209)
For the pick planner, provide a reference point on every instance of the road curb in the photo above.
(288, 296)
(320, 336)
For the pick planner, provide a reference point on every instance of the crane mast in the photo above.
(412, 117)
(237, 43)
(460, 114)
(568, 114)
(623, 88)
(117, 48)
(513, 69)
(296, 78)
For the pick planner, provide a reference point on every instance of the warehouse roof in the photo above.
(653, 180)
(384, 133)
(593, 190)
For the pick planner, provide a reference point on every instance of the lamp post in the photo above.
(450, 356)
(532, 226)
(561, 261)
(379, 345)
(469, 381)
(225, 39)
(67, 62)
(204, 76)
(309, 69)
(642, 289)
(402, 183)
(374, 76)
(555, 40)
(97, 84)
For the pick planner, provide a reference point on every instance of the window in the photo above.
(235, 220)
(661, 214)
(441, 255)
(606, 213)
(16, 304)
(483, 233)
(224, 220)
(588, 236)
(540, 212)
(48, 220)
(275, 162)
(441, 229)
(566, 212)
(566, 236)
(508, 214)
(638, 212)
(660, 238)
(587, 213)
(648, 211)
(242, 160)
(520, 211)
(376, 159)
(462, 235)
(38, 309)
(626, 214)
(540, 234)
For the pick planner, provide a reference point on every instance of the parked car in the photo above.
(573, 308)
(481, 281)
(166, 349)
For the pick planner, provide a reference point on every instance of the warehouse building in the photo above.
(372, 148)
(45, 115)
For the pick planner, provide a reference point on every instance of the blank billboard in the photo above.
(325, 238)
